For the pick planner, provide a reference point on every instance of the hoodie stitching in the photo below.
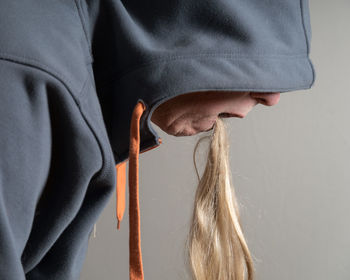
(30, 62)
(205, 55)
(82, 91)
(103, 168)
(83, 24)
(303, 26)
(307, 40)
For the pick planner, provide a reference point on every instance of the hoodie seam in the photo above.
(232, 56)
(303, 26)
(30, 62)
(77, 101)
(307, 40)
(83, 24)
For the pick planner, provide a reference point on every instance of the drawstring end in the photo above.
(120, 191)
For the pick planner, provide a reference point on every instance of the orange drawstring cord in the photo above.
(135, 255)
(120, 192)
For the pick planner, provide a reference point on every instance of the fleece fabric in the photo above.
(79, 81)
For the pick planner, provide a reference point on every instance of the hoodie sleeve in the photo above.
(155, 50)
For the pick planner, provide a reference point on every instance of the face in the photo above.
(191, 113)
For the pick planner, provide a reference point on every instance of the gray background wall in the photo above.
(290, 166)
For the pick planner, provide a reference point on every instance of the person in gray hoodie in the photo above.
(79, 83)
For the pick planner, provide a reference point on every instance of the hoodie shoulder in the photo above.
(48, 35)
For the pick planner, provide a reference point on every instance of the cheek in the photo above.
(209, 110)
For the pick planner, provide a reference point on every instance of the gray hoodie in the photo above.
(73, 75)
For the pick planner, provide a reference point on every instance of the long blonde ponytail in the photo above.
(216, 247)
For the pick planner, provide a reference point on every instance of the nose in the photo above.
(266, 98)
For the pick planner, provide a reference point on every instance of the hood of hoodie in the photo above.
(145, 53)
(155, 50)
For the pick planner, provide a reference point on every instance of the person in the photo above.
(192, 113)
(80, 82)
(215, 231)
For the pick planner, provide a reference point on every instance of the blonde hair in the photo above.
(215, 245)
